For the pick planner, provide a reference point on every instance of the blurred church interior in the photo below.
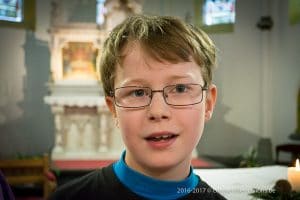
(52, 103)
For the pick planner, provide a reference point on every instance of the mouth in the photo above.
(158, 137)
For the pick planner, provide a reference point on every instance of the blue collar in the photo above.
(151, 188)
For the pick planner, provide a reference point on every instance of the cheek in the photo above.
(193, 122)
(129, 123)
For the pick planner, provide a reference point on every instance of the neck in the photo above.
(153, 188)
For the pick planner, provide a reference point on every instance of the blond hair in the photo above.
(162, 37)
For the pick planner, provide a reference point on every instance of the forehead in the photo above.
(139, 65)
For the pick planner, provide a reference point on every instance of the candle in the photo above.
(294, 176)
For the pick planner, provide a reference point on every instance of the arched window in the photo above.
(100, 12)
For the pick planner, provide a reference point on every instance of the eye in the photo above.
(138, 92)
(180, 88)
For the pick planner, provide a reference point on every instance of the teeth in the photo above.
(162, 137)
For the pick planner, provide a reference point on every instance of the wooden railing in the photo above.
(28, 171)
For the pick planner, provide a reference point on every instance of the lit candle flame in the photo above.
(297, 165)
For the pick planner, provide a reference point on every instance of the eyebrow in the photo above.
(133, 81)
(143, 81)
(175, 77)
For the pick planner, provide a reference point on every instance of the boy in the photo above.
(157, 79)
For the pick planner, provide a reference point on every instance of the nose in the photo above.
(158, 109)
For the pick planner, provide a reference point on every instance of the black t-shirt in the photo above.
(104, 184)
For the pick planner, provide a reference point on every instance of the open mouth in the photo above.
(161, 137)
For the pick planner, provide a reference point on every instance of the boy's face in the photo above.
(185, 124)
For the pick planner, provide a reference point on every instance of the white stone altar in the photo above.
(84, 128)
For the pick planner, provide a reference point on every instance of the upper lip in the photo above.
(160, 133)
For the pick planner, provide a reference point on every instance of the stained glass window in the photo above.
(11, 10)
(100, 12)
(218, 12)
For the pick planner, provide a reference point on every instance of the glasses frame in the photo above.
(203, 88)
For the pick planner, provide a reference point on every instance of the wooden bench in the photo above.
(28, 171)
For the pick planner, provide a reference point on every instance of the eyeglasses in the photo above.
(175, 95)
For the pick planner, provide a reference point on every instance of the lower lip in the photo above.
(162, 144)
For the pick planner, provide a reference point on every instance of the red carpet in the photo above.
(94, 164)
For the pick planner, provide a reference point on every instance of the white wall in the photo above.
(26, 124)
(258, 81)
(286, 74)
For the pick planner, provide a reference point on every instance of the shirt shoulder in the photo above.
(99, 184)
(79, 187)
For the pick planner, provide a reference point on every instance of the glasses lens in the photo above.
(132, 96)
(183, 94)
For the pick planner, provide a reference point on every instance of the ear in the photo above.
(111, 106)
(210, 101)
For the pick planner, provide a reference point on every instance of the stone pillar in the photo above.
(58, 143)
